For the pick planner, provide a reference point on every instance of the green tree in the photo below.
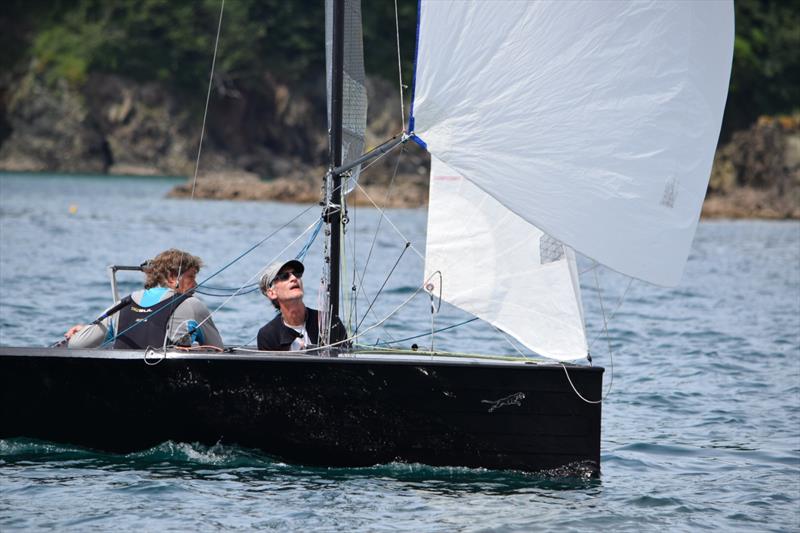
(173, 40)
(766, 62)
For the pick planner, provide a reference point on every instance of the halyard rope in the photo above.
(208, 99)
(389, 220)
(610, 353)
(202, 129)
(578, 393)
(614, 312)
(254, 276)
(399, 66)
(384, 283)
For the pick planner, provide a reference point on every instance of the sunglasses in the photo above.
(283, 276)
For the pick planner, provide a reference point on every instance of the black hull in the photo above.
(342, 411)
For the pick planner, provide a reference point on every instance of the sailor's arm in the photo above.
(89, 336)
(188, 315)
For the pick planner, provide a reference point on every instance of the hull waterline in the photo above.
(351, 410)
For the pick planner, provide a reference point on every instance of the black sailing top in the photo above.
(277, 336)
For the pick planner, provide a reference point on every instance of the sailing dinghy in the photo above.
(555, 129)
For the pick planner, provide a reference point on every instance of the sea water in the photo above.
(701, 420)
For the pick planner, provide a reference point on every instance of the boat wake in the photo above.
(20, 450)
(191, 456)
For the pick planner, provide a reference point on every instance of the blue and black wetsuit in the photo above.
(153, 314)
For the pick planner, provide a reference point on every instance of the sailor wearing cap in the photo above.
(296, 327)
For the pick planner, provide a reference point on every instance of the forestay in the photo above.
(595, 121)
(354, 91)
(488, 261)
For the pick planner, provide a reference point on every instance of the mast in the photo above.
(334, 210)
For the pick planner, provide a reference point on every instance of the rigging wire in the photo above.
(399, 66)
(594, 266)
(616, 308)
(575, 390)
(257, 274)
(311, 238)
(610, 353)
(389, 220)
(220, 270)
(389, 275)
(429, 288)
(358, 278)
(508, 340)
(363, 275)
(380, 219)
(230, 291)
(208, 99)
(373, 326)
(344, 269)
(262, 241)
(387, 317)
(248, 288)
(364, 168)
(453, 326)
(433, 319)
(379, 157)
(606, 319)
(202, 134)
(352, 315)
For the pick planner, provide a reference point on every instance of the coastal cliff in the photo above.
(757, 173)
(272, 145)
(119, 88)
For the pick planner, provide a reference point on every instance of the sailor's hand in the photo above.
(73, 330)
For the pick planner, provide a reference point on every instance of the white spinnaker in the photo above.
(500, 268)
(595, 121)
(354, 90)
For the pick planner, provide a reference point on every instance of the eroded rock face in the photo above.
(106, 126)
(51, 128)
(145, 128)
(757, 174)
(115, 125)
(278, 138)
(766, 155)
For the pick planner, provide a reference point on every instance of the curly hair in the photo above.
(169, 264)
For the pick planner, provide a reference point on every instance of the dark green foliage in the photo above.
(173, 40)
(380, 37)
(20, 20)
(766, 64)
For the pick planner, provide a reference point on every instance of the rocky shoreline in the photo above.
(741, 203)
(237, 187)
(272, 145)
(755, 175)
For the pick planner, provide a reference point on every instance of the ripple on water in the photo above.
(700, 431)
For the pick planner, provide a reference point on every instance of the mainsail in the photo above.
(354, 97)
(594, 121)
